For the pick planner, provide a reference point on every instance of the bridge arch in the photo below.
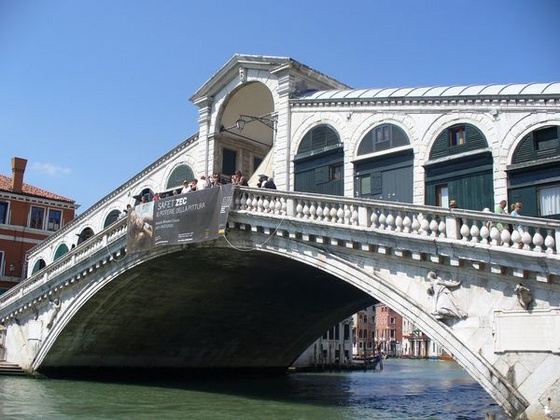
(82, 322)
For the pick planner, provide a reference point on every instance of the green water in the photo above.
(405, 389)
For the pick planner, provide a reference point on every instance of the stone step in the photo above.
(10, 369)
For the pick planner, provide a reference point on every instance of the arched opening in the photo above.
(85, 235)
(111, 218)
(534, 173)
(39, 265)
(178, 175)
(145, 196)
(60, 251)
(461, 169)
(319, 162)
(387, 173)
(245, 132)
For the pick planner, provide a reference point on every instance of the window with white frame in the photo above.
(37, 217)
(54, 220)
(3, 212)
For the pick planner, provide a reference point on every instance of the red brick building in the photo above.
(388, 329)
(27, 216)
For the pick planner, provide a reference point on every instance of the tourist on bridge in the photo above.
(500, 209)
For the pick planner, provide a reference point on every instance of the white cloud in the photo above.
(49, 169)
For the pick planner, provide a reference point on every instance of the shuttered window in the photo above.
(459, 138)
(383, 137)
(318, 139)
(539, 144)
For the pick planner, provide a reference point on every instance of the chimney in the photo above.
(18, 169)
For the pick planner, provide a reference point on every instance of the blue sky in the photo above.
(93, 91)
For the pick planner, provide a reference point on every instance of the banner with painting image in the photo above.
(192, 217)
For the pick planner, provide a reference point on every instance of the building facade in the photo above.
(364, 333)
(388, 330)
(333, 349)
(27, 216)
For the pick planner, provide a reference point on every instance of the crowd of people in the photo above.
(501, 208)
(204, 182)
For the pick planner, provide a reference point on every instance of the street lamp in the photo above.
(268, 120)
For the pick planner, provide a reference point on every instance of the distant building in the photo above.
(27, 216)
(332, 349)
(388, 330)
(416, 344)
(364, 333)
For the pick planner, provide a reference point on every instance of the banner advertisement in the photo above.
(192, 217)
(186, 218)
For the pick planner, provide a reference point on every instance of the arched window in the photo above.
(383, 137)
(60, 251)
(319, 163)
(111, 218)
(39, 265)
(533, 174)
(460, 169)
(85, 235)
(539, 144)
(317, 140)
(179, 174)
(459, 138)
(146, 193)
(387, 176)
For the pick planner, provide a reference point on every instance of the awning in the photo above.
(265, 168)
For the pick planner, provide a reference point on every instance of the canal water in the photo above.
(404, 389)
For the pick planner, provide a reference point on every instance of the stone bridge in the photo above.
(289, 266)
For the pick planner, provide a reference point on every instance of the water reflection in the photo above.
(405, 389)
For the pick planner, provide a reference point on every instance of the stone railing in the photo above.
(71, 261)
(536, 235)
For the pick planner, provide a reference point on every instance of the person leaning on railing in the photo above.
(500, 209)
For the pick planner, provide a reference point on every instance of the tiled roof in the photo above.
(6, 185)
(441, 92)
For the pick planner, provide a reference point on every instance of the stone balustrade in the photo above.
(70, 267)
(537, 235)
(480, 228)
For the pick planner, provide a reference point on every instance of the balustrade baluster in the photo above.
(326, 212)
(320, 211)
(495, 236)
(333, 213)
(538, 241)
(441, 228)
(355, 216)
(299, 210)
(465, 232)
(266, 204)
(347, 215)
(549, 242)
(340, 215)
(474, 232)
(526, 238)
(305, 211)
(382, 221)
(313, 211)
(374, 218)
